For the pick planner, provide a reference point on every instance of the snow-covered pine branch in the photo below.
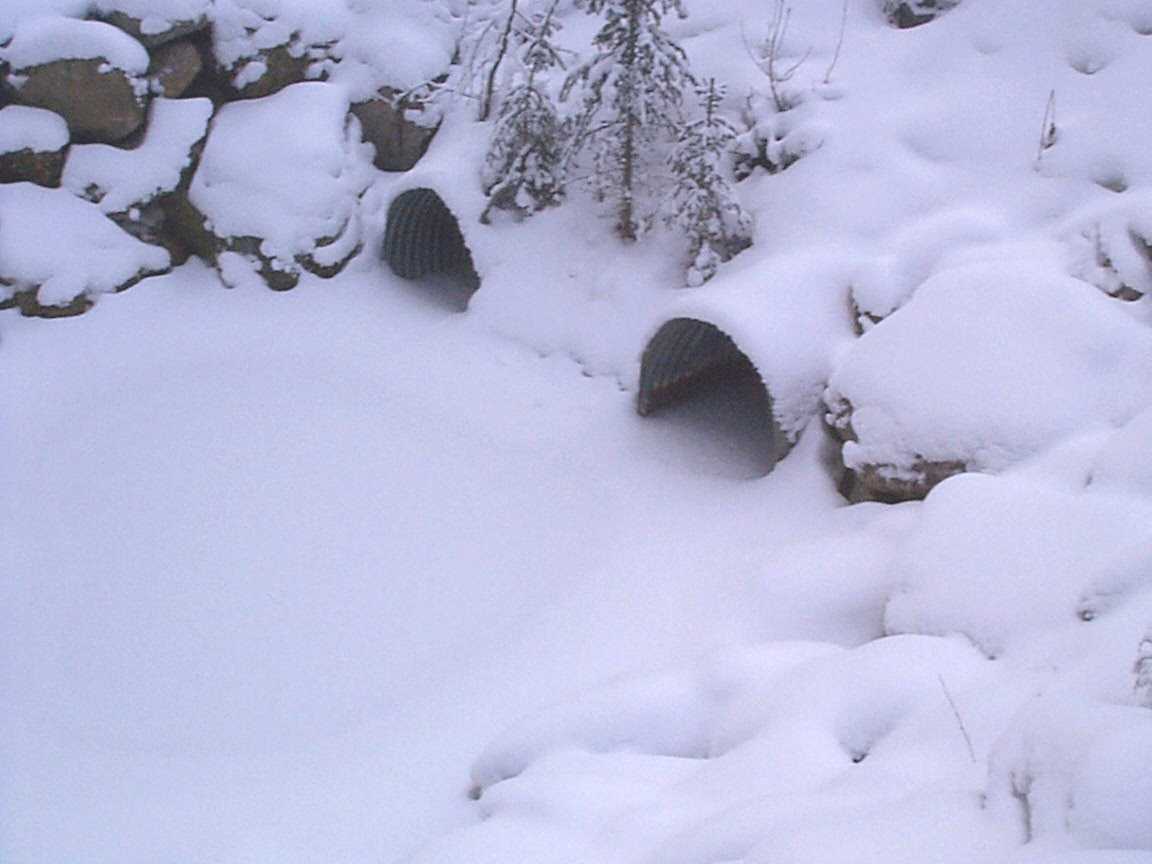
(702, 202)
(524, 169)
(630, 93)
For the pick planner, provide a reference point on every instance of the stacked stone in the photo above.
(118, 110)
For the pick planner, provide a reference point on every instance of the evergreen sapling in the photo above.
(703, 203)
(631, 91)
(524, 170)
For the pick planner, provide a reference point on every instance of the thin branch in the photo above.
(959, 719)
(490, 84)
(1048, 131)
(839, 43)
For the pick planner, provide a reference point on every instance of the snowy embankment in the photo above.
(343, 575)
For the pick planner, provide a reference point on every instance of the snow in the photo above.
(343, 574)
(244, 28)
(15, 11)
(288, 168)
(66, 247)
(25, 128)
(118, 179)
(918, 382)
(41, 40)
(1040, 554)
(157, 16)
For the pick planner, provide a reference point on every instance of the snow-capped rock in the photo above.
(88, 72)
(32, 145)
(280, 183)
(57, 252)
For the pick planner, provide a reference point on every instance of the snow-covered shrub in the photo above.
(702, 202)
(525, 167)
(630, 93)
(280, 183)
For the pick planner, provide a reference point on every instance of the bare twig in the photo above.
(1048, 131)
(767, 61)
(839, 43)
(490, 83)
(959, 719)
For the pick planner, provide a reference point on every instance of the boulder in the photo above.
(262, 48)
(88, 72)
(57, 252)
(33, 143)
(286, 202)
(935, 388)
(912, 13)
(131, 186)
(174, 67)
(155, 22)
(270, 72)
(399, 128)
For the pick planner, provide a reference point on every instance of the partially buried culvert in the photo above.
(423, 240)
(693, 373)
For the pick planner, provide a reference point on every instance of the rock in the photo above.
(264, 47)
(270, 72)
(43, 169)
(88, 72)
(287, 203)
(153, 32)
(911, 398)
(912, 13)
(174, 67)
(33, 144)
(130, 185)
(398, 128)
(58, 252)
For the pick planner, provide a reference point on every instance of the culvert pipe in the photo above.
(423, 238)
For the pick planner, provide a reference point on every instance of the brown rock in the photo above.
(282, 68)
(174, 67)
(30, 166)
(133, 27)
(912, 13)
(99, 103)
(385, 124)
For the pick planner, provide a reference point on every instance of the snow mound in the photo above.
(785, 752)
(35, 129)
(1125, 461)
(287, 169)
(120, 179)
(1002, 558)
(392, 43)
(42, 40)
(989, 363)
(14, 11)
(64, 248)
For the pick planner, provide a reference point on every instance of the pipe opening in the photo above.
(423, 242)
(702, 384)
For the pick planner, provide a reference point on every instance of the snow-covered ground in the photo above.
(280, 565)
(344, 575)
